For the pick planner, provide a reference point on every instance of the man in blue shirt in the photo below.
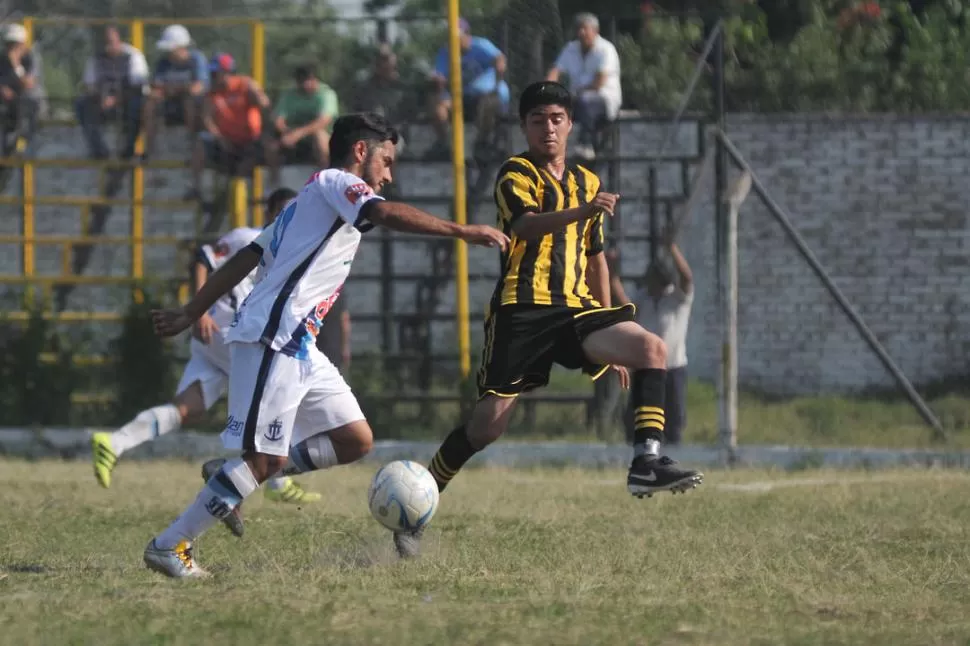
(179, 84)
(485, 93)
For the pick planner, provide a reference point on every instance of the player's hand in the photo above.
(170, 322)
(604, 202)
(205, 328)
(624, 376)
(484, 236)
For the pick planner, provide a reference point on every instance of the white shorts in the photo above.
(276, 401)
(208, 365)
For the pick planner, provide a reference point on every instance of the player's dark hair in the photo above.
(304, 72)
(544, 93)
(277, 199)
(361, 126)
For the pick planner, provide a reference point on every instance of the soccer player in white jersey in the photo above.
(205, 376)
(289, 408)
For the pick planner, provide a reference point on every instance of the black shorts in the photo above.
(522, 342)
(228, 159)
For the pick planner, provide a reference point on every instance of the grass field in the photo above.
(514, 557)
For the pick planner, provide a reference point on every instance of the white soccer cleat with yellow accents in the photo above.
(177, 562)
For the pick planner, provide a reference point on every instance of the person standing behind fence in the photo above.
(664, 306)
(114, 87)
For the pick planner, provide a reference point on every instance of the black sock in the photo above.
(648, 392)
(455, 451)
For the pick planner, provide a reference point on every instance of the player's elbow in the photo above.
(526, 228)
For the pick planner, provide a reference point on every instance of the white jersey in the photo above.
(307, 254)
(215, 256)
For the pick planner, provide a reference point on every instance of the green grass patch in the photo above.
(513, 557)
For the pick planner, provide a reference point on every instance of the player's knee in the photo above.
(652, 352)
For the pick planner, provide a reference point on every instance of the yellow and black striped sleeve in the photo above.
(595, 241)
(595, 237)
(516, 192)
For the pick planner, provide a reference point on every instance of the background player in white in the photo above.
(206, 375)
(289, 408)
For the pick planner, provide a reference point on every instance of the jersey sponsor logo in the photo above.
(357, 191)
(274, 432)
(315, 318)
(220, 250)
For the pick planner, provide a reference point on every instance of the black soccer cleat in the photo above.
(649, 474)
(234, 520)
(408, 544)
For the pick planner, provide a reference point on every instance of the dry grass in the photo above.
(515, 557)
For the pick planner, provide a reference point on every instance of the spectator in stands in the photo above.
(664, 308)
(382, 91)
(592, 66)
(333, 340)
(180, 82)
(114, 87)
(18, 76)
(232, 118)
(304, 118)
(485, 95)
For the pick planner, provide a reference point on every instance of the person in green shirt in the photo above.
(304, 118)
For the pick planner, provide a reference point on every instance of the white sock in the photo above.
(148, 425)
(221, 494)
(312, 454)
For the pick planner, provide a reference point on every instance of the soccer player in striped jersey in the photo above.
(552, 305)
(290, 410)
(205, 377)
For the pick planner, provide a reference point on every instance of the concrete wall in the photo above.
(882, 200)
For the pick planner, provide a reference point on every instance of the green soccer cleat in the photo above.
(292, 493)
(104, 458)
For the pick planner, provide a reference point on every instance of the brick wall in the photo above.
(881, 200)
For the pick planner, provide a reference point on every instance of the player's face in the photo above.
(547, 130)
(378, 164)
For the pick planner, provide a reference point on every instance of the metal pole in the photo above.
(258, 57)
(458, 167)
(137, 36)
(720, 161)
(728, 382)
(802, 247)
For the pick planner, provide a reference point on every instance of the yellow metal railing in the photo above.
(32, 195)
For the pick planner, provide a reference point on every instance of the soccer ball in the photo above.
(403, 496)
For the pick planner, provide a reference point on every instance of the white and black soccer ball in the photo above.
(403, 496)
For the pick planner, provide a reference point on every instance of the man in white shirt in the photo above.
(592, 66)
(664, 307)
(290, 410)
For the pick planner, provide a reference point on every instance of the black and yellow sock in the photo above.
(648, 392)
(455, 451)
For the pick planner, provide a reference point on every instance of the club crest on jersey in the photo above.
(356, 192)
(220, 249)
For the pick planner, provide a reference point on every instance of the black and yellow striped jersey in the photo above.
(550, 270)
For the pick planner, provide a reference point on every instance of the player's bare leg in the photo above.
(170, 552)
(148, 425)
(628, 344)
(489, 421)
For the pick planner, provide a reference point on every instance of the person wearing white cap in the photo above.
(179, 84)
(17, 78)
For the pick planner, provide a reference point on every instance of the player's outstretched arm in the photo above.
(401, 217)
(172, 321)
(532, 226)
